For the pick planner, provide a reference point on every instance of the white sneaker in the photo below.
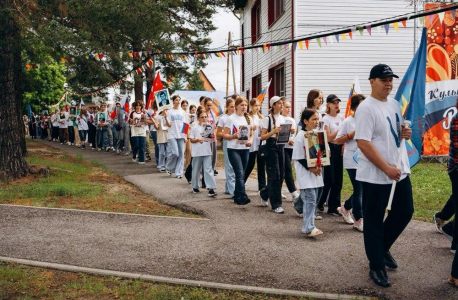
(279, 210)
(283, 196)
(346, 215)
(141, 162)
(359, 225)
(295, 195)
(68, 143)
(264, 203)
(318, 217)
(134, 160)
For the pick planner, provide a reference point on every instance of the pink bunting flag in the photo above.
(369, 29)
(325, 40)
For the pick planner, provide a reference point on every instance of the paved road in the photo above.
(236, 245)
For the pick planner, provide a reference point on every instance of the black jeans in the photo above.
(275, 167)
(71, 134)
(333, 178)
(261, 169)
(91, 135)
(454, 179)
(355, 200)
(289, 179)
(380, 235)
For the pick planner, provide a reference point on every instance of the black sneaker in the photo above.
(212, 193)
(195, 191)
(448, 231)
(215, 172)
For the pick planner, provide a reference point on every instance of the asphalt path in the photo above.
(247, 245)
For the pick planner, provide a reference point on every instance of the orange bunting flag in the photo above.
(307, 44)
(238, 50)
(264, 47)
(350, 34)
(96, 56)
(150, 62)
(241, 49)
(130, 54)
(404, 23)
(62, 60)
(195, 53)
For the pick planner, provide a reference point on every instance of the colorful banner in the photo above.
(441, 80)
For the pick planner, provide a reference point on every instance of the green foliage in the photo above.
(43, 86)
(195, 83)
(176, 85)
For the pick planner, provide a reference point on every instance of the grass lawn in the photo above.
(23, 282)
(76, 183)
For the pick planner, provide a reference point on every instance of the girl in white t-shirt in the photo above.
(230, 175)
(138, 120)
(333, 174)
(274, 156)
(257, 117)
(176, 118)
(345, 136)
(309, 180)
(238, 150)
(83, 127)
(201, 155)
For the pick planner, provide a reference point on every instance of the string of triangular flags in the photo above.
(287, 45)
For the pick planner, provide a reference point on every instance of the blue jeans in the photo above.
(310, 198)
(230, 175)
(83, 134)
(209, 177)
(102, 137)
(109, 128)
(355, 201)
(115, 136)
(175, 156)
(239, 161)
(138, 146)
(156, 146)
(162, 155)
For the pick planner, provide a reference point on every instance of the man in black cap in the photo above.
(379, 133)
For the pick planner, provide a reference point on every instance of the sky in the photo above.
(216, 67)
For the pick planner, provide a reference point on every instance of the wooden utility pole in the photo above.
(227, 69)
(233, 74)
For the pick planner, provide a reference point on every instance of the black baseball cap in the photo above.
(332, 98)
(381, 71)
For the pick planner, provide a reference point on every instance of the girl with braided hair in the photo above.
(274, 158)
(238, 153)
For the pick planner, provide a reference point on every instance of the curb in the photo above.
(101, 212)
(177, 281)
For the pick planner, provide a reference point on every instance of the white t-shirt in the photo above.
(235, 121)
(333, 123)
(222, 121)
(63, 120)
(138, 129)
(350, 148)
(289, 120)
(176, 118)
(161, 133)
(279, 119)
(82, 123)
(380, 123)
(256, 134)
(55, 120)
(198, 149)
(304, 178)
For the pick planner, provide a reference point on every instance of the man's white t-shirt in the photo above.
(198, 149)
(235, 121)
(380, 123)
(176, 118)
(304, 178)
(348, 126)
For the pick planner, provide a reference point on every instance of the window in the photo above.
(276, 8)
(277, 87)
(256, 86)
(256, 22)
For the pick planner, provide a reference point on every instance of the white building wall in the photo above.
(332, 68)
(258, 62)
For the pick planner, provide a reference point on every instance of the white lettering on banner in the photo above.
(439, 90)
(448, 115)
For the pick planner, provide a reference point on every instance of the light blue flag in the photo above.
(411, 97)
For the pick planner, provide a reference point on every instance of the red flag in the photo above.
(157, 86)
(113, 113)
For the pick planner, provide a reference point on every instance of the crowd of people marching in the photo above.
(185, 141)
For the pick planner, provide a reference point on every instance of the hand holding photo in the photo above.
(163, 99)
(283, 135)
(207, 132)
(316, 142)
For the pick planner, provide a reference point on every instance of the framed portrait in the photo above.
(244, 134)
(207, 132)
(163, 100)
(284, 134)
(316, 141)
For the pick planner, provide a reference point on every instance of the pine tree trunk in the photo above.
(12, 131)
(138, 79)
